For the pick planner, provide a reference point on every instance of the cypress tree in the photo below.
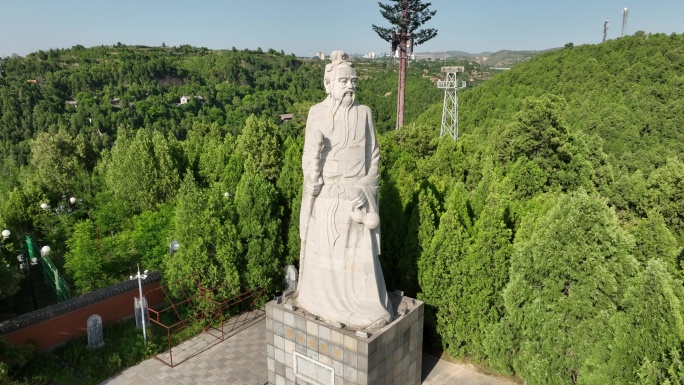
(645, 338)
(484, 274)
(439, 265)
(259, 229)
(566, 282)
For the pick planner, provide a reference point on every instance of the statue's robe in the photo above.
(340, 275)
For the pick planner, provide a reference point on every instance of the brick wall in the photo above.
(54, 325)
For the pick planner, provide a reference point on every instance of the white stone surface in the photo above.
(340, 275)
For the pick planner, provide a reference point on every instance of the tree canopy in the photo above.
(546, 243)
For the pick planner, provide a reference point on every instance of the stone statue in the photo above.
(340, 279)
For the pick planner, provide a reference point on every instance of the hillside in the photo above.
(633, 101)
(498, 59)
(547, 242)
(542, 238)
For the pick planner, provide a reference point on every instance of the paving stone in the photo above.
(241, 360)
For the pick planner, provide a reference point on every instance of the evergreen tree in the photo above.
(440, 264)
(260, 147)
(406, 16)
(645, 339)
(481, 278)
(150, 234)
(259, 228)
(210, 247)
(420, 229)
(140, 171)
(84, 261)
(565, 285)
(654, 240)
(57, 165)
(393, 231)
(290, 185)
(666, 195)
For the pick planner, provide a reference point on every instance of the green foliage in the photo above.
(149, 236)
(408, 15)
(259, 145)
(601, 118)
(666, 194)
(140, 171)
(481, 278)
(653, 240)
(13, 357)
(259, 230)
(644, 339)
(84, 261)
(57, 163)
(393, 232)
(210, 247)
(541, 135)
(289, 185)
(421, 227)
(565, 285)
(439, 264)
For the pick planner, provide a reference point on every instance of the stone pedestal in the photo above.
(303, 350)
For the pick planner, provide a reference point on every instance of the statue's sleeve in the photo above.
(371, 180)
(311, 155)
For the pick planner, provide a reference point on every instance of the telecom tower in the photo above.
(606, 24)
(450, 86)
(625, 15)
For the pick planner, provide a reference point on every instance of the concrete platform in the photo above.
(241, 360)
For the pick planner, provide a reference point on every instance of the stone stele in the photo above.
(340, 279)
(95, 336)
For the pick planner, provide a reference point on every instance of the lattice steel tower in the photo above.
(450, 85)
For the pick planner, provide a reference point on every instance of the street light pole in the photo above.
(25, 266)
(142, 304)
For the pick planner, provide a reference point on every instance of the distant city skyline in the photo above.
(305, 27)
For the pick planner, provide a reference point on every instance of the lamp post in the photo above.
(174, 246)
(140, 277)
(25, 266)
(5, 234)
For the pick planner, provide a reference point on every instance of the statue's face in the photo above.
(344, 83)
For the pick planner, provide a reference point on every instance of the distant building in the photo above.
(284, 118)
(72, 103)
(320, 55)
(185, 99)
(373, 55)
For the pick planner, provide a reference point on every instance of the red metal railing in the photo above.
(205, 307)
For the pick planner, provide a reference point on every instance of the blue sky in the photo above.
(308, 26)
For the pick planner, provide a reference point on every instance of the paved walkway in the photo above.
(241, 360)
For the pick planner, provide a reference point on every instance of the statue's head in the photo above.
(340, 78)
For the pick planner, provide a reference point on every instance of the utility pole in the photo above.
(625, 16)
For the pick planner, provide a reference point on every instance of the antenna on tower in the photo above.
(625, 15)
(605, 29)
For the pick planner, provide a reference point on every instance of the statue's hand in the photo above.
(358, 198)
(312, 188)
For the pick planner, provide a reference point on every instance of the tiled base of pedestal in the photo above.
(302, 350)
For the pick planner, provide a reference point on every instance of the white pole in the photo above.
(142, 307)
